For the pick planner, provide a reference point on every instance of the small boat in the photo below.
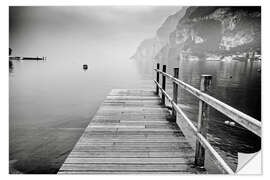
(85, 66)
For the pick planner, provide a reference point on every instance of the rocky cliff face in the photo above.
(219, 30)
(205, 32)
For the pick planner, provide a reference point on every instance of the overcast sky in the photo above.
(47, 30)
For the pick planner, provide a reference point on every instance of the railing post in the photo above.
(175, 91)
(202, 121)
(157, 89)
(163, 84)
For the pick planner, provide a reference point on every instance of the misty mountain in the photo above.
(148, 48)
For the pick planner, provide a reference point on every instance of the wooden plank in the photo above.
(134, 92)
(131, 129)
(126, 132)
(133, 98)
(125, 172)
(131, 134)
(127, 167)
(130, 123)
(122, 113)
(106, 154)
(131, 101)
(123, 148)
(134, 109)
(122, 105)
(109, 126)
(135, 144)
(120, 160)
(138, 154)
(133, 137)
(132, 140)
(138, 114)
(131, 117)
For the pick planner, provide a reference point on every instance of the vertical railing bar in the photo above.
(157, 89)
(175, 92)
(203, 117)
(163, 84)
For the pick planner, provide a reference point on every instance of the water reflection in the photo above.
(10, 64)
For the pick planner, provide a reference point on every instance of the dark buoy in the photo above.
(85, 66)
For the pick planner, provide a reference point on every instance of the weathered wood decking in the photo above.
(131, 133)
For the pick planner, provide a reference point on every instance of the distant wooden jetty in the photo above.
(27, 58)
(134, 132)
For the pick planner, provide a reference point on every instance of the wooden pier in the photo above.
(131, 133)
(135, 132)
(28, 58)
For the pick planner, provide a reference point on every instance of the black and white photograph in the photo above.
(134, 89)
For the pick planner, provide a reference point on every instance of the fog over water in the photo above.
(52, 101)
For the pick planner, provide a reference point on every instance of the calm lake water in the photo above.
(51, 102)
